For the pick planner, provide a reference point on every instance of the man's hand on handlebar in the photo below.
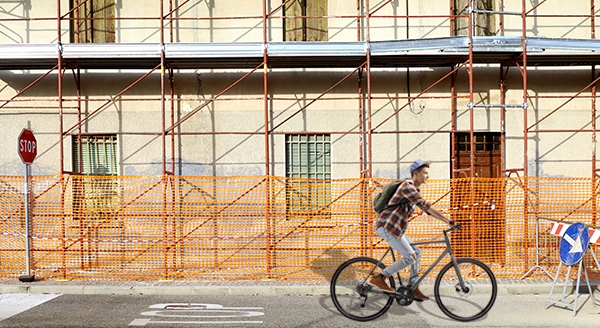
(453, 226)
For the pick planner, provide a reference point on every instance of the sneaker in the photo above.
(378, 281)
(420, 297)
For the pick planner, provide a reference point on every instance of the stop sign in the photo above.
(27, 146)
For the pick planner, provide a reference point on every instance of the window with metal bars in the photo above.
(98, 155)
(308, 157)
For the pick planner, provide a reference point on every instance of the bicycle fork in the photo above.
(461, 282)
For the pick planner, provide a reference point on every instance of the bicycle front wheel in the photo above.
(473, 300)
(351, 294)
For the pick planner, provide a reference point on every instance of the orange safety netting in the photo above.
(264, 227)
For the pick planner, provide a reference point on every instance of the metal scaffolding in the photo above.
(458, 53)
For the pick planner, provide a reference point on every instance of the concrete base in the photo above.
(27, 278)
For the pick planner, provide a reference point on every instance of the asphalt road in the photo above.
(43, 310)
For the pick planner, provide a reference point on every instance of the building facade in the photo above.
(300, 88)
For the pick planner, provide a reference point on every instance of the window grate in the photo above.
(308, 156)
(98, 155)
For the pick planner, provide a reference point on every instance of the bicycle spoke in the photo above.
(354, 299)
(473, 298)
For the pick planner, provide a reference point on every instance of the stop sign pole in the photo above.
(27, 147)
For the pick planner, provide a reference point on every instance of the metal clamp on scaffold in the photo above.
(473, 105)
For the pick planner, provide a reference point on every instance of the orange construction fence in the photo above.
(266, 227)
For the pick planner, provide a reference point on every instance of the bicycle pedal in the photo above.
(418, 299)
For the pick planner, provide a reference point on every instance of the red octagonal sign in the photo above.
(27, 146)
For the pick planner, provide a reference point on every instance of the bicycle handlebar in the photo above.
(456, 227)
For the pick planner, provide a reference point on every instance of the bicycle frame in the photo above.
(353, 303)
(447, 251)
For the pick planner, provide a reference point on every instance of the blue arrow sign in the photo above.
(574, 243)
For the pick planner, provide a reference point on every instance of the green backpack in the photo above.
(380, 202)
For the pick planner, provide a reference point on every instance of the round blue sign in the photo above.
(574, 243)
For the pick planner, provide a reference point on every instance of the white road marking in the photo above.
(139, 322)
(204, 314)
(11, 304)
(143, 322)
(187, 311)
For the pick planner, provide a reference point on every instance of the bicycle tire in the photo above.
(347, 280)
(470, 304)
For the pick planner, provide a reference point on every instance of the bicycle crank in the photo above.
(404, 296)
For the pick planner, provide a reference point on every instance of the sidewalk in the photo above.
(186, 287)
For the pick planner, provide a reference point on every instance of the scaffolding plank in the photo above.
(395, 46)
(427, 52)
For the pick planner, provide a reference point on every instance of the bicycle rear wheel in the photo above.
(472, 302)
(352, 295)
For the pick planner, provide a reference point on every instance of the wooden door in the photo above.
(483, 235)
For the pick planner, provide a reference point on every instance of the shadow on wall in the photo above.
(536, 169)
(151, 168)
(403, 173)
(185, 168)
(18, 168)
(328, 262)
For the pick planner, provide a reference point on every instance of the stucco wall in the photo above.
(550, 154)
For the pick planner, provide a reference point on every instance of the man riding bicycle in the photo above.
(392, 223)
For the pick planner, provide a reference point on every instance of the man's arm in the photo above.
(412, 194)
(436, 214)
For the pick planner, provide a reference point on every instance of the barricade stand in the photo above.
(594, 300)
(573, 246)
(537, 252)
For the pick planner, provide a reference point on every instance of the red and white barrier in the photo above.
(559, 228)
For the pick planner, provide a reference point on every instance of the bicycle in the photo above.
(466, 293)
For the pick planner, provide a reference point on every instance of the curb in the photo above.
(303, 290)
(165, 290)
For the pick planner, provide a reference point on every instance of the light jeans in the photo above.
(402, 246)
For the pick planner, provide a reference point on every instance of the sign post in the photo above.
(27, 147)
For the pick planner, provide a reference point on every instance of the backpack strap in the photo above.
(403, 201)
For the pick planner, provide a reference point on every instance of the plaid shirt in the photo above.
(395, 219)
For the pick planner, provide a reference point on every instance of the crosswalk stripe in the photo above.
(12, 304)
